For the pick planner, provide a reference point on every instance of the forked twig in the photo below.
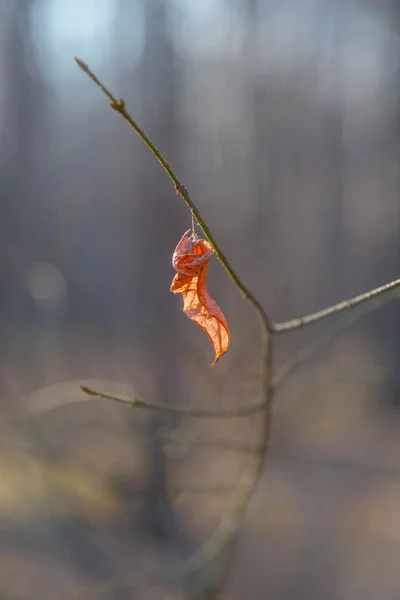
(220, 542)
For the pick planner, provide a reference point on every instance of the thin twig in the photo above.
(223, 413)
(119, 106)
(334, 309)
(328, 336)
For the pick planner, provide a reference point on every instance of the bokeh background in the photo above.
(282, 117)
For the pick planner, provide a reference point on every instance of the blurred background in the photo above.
(282, 117)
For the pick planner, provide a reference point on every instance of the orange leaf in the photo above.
(190, 260)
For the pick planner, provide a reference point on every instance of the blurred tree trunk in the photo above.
(21, 241)
(21, 118)
(334, 257)
(159, 85)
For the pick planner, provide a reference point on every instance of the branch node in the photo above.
(180, 189)
(118, 105)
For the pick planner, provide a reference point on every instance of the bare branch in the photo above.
(183, 411)
(334, 309)
(220, 544)
(119, 106)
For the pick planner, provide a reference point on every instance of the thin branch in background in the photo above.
(334, 309)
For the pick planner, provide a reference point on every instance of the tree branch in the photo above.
(334, 309)
(239, 411)
(219, 544)
(119, 106)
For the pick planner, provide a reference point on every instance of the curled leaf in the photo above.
(190, 260)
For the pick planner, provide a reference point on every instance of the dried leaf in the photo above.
(190, 260)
